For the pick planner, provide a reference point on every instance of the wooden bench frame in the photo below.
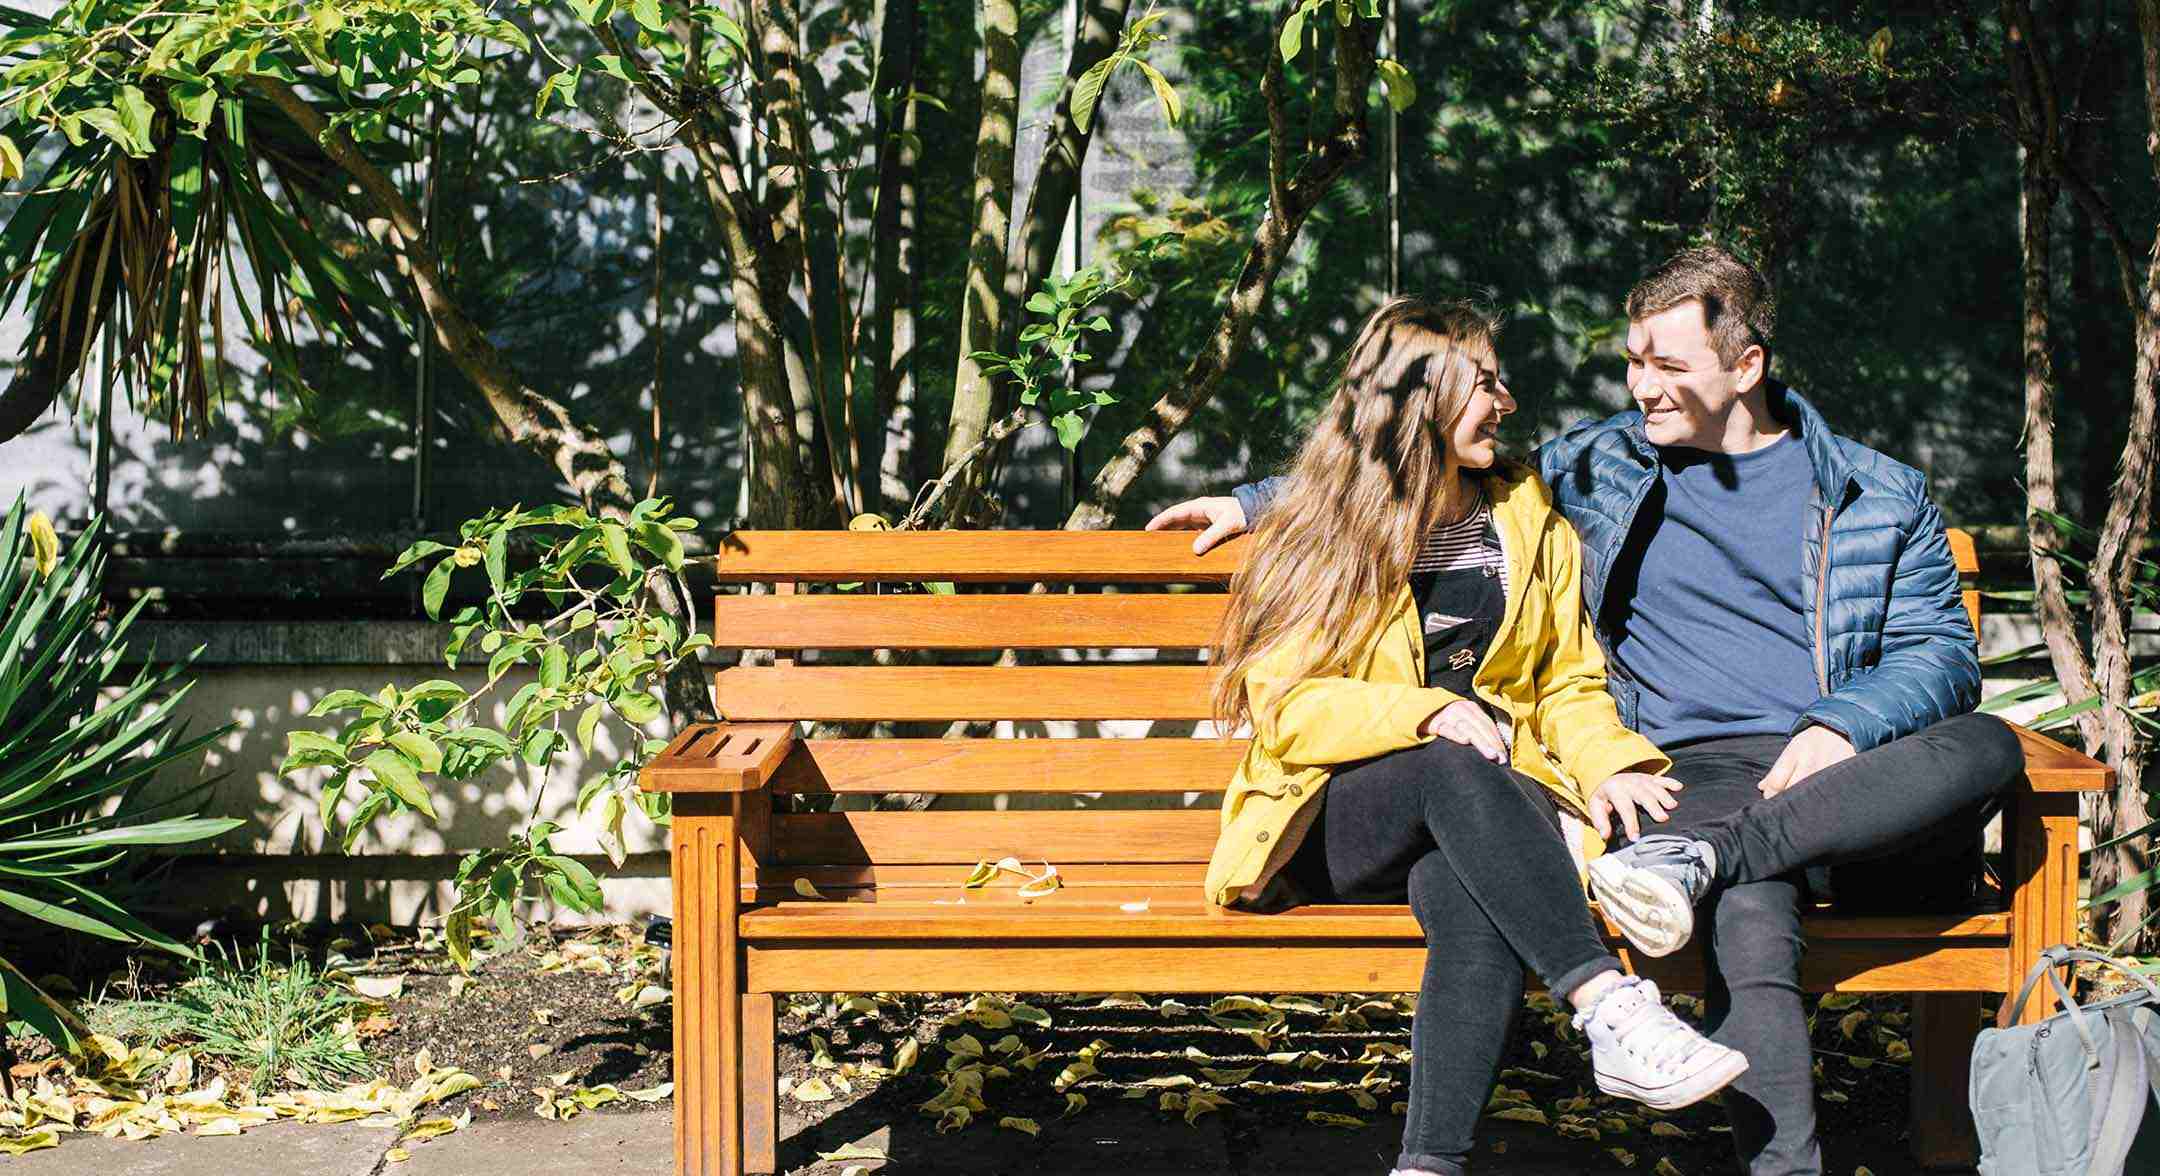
(742, 934)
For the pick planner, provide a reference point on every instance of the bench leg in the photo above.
(2042, 829)
(1943, 1027)
(708, 988)
(760, 1103)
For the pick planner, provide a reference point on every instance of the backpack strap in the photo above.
(2062, 955)
(2117, 1118)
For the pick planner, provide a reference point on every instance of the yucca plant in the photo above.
(79, 739)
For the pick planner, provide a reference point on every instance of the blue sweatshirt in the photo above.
(1706, 604)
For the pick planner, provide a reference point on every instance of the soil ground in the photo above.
(561, 1013)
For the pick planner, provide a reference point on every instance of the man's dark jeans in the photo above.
(1899, 825)
(1475, 848)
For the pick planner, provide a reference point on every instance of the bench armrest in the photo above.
(719, 757)
(2053, 767)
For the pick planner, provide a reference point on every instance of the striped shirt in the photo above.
(1471, 543)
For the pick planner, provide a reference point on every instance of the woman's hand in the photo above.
(1464, 721)
(1625, 792)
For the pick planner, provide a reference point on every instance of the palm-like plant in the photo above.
(79, 740)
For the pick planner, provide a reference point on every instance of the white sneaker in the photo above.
(1640, 1050)
(1649, 889)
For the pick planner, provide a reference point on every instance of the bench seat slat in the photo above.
(956, 766)
(1180, 620)
(1097, 915)
(1098, 557)
(943, 693)
(1212, 965)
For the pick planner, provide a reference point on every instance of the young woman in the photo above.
(1409, 644)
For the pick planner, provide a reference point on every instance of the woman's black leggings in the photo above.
(1475, 848)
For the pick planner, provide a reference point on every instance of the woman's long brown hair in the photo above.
(1366, 486)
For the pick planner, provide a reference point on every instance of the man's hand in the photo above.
(1222, 517)
(1623, 794)
(1812, 750)
(1465, 722)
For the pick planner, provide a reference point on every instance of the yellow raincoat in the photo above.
(1544, 670)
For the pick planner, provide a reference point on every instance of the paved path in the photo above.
(1114, 1140)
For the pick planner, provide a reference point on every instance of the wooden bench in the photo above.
(890, 918)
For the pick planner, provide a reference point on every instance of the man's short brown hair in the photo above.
(1738, 308)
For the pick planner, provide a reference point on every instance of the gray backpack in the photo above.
(2067, 1096)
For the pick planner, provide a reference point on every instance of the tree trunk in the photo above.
(1057, 180)
(2039, 126)
(785, 493)
(1290, 201)
(892, 279)
(2097, 393)
(982, 295)
(789, 486)
(2129, 517)
(533, 421)
(805, 238)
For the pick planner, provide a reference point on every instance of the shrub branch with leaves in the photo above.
(570, 595)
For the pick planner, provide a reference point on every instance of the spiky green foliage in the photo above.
(80, 738)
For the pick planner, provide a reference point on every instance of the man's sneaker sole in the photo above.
(1693, 1089)
(1652, 912)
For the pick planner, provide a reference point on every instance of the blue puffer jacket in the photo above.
(1894, 649)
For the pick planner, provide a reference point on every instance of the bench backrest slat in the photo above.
(979, 766)
(924, 693)
(962, 838)
(1099, 557)
(1155, 620)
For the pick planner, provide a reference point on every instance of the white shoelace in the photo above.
(1671, 1039)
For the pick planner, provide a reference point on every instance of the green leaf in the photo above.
(659, 539)
(308, 749)
(414, 554)
(581, 879)
(1069, 428)
(554, 667)
(436, 587)
(1396, 83)
(617, 541)
(172, 831)
(612, 65)
(1088, 91)
(11, 160)
(498, 559)
(1165, 93)
(457, 937)
(397, 775)
(338, 700)
(647, 13)
(639, 708)
(420, 748)
(538, 743)
(1293, 35)
(135, 115)
(587, 723)
(326, 802)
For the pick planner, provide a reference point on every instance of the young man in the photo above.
(1780, 612)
